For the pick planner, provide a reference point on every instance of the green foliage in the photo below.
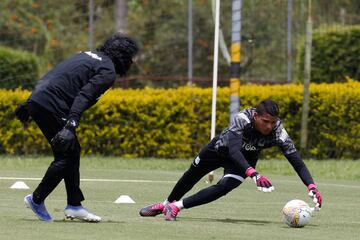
(334, 55)
(17, 68)
(162, 32)
(21, 27)
(334, 118)
(55, 30)
(176, 123)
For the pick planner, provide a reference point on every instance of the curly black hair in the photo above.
(121, 49)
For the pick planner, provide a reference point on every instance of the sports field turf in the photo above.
(244, 213)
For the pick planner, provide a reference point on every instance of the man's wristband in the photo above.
(250, 172)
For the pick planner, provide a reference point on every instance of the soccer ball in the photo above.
(297, 213)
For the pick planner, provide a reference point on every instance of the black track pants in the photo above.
(65, 165)
(207, 161)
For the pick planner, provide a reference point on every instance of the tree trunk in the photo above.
(120, 15)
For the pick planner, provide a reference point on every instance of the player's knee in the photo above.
(59, 163)
(228, 184)
(193, 171)
(71, 152)
(74, 149)
(65, 159)
(222, 189)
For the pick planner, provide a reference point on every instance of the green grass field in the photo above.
(244, 213)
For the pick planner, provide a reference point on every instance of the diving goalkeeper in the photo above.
(237, 151)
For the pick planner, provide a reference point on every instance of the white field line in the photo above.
(157, 181)
(326, 184)
(94, 180)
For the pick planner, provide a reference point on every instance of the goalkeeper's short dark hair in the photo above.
(268, 106)
(121, 49)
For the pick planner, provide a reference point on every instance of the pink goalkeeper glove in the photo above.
(315, 195)
(263, 184)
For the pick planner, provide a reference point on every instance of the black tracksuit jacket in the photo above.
(75, 84)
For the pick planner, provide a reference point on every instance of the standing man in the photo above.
(237, 150)
(56, 106)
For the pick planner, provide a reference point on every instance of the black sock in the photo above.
(36, 198)
(75, 204)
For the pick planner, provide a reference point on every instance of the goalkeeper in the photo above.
(56, 105)
(237, 150)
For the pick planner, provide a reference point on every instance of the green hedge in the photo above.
(17, 68)
(176, 123)
(335, 55)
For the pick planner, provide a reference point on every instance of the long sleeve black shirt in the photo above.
(243, 144)
(75, 84)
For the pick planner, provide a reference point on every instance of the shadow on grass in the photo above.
(242, 221)
(232, 221)
(73, 221)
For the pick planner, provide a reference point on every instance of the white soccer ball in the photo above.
(297, 213)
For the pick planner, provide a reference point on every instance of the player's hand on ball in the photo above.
(263, 184)
(316, 196)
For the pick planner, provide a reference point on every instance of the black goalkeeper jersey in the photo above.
(242, 143)
(253, 141)
(75, 84)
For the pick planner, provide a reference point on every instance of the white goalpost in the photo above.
(215, 75)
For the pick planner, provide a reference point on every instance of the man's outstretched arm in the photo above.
(304, 174)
